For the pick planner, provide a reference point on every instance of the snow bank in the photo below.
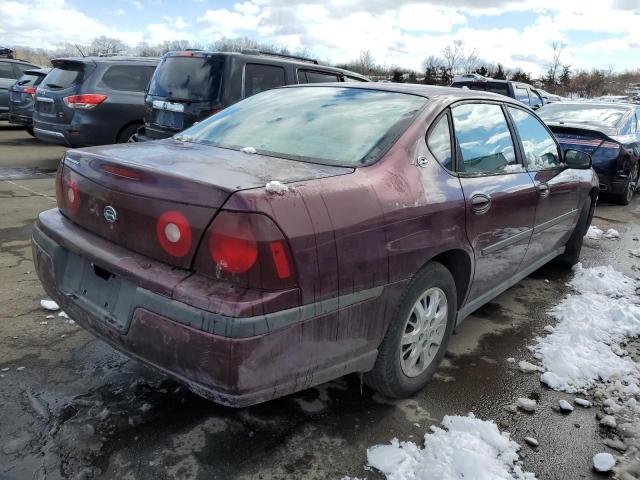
(275, 186)
(596, 233)
(583, 348)
(49, 305)
(466, 448)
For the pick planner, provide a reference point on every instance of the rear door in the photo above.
(556, 186)
(499, 195)
(62, 81)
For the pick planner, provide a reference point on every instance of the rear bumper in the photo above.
(20, 120)
(612, 186)
(230, 360)
(147, 133)
(81, 133)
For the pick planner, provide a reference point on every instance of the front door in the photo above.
(556, 188)
(499, 194)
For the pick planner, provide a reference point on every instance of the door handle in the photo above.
(480, 204)
(543, 190)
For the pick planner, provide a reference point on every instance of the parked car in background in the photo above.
(311, 231)
(92, 100)
(606, 131)
(21, 97)
(6, 52)
(549, 97)
(10, 71)
(192, 85)
(522, 92)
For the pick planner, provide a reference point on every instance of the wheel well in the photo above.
(124, 127)
(459, 264)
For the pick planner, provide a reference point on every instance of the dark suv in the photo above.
(523, 92)
(10, 71)
(191, 85)
(92, 100)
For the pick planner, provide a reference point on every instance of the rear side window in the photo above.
(259, 77)
(483, 138)
(6, 70)
(522, 95)
(439, 142)
(540, 150)
(500, 88)
(188, 78)
(310, 76)
(59, 78)
(353, 79)
(129, 78)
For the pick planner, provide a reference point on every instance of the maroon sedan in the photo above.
(309, 232)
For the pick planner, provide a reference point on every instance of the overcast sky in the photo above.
(397, 32)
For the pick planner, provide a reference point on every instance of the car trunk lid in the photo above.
(121, 192)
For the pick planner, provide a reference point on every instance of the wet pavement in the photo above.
(79, 409)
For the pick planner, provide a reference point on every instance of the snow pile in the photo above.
(584, 346)
(603, 462)
(275, 186)
(249, 150)
(466, 448)
(596, 233)
(49, 305)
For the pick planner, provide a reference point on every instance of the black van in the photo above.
(522, 92)
(191, 85)
(87, 101)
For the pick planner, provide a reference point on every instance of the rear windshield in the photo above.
(64, 77)
(27, 80)
(329, 125)
(597, 115)
(187, 78)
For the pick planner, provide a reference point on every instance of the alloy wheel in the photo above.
(423, 332)
(633, 180)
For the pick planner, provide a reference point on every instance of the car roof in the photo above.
(108, 59)
(427, 91)
(274, 57)
(628, 106)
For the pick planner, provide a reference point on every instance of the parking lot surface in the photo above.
(72, 407)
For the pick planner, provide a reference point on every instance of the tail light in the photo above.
(174, 233)
(29, 90)
(71, 195)
(247, 249)
(85, 101)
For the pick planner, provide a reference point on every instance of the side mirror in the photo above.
(577, 159)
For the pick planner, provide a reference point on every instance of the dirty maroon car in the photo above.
(309, 232)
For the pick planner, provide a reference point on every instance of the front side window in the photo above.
(345, 126)
(540, 150)
(522, 95)
(439, 142)
(129, 78)
(536, 100)
(258, 78)
(483, 139)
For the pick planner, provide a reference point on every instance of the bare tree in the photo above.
(366, 63)
(104, 45)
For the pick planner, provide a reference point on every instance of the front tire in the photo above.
(573, 247)
(418, 334)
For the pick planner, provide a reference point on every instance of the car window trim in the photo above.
(458, 154)
(446, 112)
(561, 164)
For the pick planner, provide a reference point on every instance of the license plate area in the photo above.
(45, 107)
(107, 296)
(167, 118)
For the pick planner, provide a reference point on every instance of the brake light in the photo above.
(29, 90)
(174, 233)
(247, 249)
(85, 101)
(121, 172)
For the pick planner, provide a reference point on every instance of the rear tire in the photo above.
(573, 247)
(415, 344)
(626, 196)
(127, 133)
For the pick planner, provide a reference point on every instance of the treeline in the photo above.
(440, 69)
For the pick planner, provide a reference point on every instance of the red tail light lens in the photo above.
(232, 244)
(247, 249)
(29, 90)
(85, 101)
(121, 172)
(174, 233)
